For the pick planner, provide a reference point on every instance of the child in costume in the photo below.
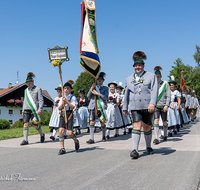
(101, 93)
(55, 117)
(113, 113)
(83, 103)
(69, 102)
(127, 119)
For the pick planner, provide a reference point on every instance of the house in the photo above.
(11, 102)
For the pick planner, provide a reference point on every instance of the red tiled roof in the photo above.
(7, 90)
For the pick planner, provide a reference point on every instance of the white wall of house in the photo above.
(16, 115)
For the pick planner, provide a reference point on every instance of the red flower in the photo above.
(57, 101)
(18, 101)
(110, 97)
(81, 101)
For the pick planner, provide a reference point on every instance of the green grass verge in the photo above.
(18, 132)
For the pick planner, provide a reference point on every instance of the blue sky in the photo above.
(164, 30)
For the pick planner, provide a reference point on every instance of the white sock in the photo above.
(117, 131)
(54, 132)
(108, 132)
(162, 132)
(92, 132)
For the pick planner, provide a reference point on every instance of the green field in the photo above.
(18, 132)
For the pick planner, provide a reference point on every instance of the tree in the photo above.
(177, 70)
(197, 56)
(84, 81)
(190, 75)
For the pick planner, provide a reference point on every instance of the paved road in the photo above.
(103, 165)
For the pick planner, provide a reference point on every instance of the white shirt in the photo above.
(137, 77)
(73, 101)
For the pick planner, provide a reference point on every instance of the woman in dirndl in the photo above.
(126, 120)
(113, 113)
(83, 103)
(55, 117)
(173, 116)
(182, 110)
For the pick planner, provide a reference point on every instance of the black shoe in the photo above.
(129, 131)
(90, 141)
(104, 139)
(116, 135)
(178, 126)
(161, 137)
(169, 134)
(42, 138)
(175, 132)
(124, 132)
(156, 141)
(150, 151)
(76, 133)
(65, 136)
(79, 131)
(77, 145)
(107, 137)
(61, 151)
(52, 138)
(165, 139)
(134, 154)
(24, 142)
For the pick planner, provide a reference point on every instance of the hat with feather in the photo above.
(138, 57)
(157, 70)
(30, 77)
(69, 83)
(82, 91)
(58, 88)
(114, 83)
(102, 75)
(120, 86)
(185, 88)
(172, 80)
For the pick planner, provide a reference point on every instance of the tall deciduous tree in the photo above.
(190, 75)
(197, 56)
(84, 81)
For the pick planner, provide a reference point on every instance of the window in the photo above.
(20, 111)
(10, 111)
(11, 122)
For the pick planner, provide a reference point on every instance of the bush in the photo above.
(17, 124)
(4, 124)
(45, 117)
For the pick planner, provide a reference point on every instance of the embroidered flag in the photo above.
(88, 39)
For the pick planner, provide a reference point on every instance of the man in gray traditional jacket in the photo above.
(163, 102)
(32, 108)
(140, 97)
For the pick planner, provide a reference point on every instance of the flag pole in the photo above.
(95, 98)
(60, 72)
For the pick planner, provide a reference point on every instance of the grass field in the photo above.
(18, 132)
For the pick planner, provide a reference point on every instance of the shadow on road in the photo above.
(85, 149)
(162, 151)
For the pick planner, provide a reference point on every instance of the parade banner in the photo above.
(88, 40)
(182, 81)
